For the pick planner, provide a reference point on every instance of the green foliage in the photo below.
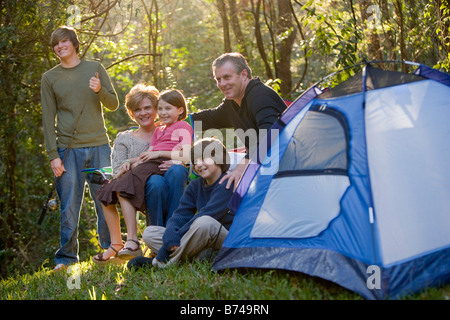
(335, 32)
(342, 34)
(24, 181)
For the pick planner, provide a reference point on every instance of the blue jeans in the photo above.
(70, 188)
(163, 194)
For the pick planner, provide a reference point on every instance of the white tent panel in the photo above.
(299, 206)
(408, 146)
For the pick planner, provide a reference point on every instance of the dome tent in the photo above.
(354, 187)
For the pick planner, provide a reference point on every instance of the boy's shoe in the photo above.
(159, 264)
(140, 262)
(59, 267)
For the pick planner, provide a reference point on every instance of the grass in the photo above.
(194, 281)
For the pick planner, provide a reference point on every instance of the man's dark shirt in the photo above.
(260, 108)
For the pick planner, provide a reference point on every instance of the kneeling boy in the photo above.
(202, 219)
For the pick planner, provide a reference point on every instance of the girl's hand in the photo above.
(148, 155)
(165, 165)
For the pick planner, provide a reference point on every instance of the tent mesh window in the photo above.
(318, 146)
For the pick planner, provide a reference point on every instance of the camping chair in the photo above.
(105, 174)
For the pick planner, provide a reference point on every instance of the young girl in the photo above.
(172, 140)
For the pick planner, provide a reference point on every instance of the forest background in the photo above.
(290, 45)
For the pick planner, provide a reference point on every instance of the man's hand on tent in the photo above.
(235, 175)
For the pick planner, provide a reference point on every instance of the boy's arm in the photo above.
(179, 224)
(217, 205)
(48, 104)
(107, 94)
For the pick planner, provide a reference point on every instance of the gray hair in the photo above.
(236, 59)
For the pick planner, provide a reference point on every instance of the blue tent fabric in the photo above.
(315, 215)
(433, 74)
(352, 274)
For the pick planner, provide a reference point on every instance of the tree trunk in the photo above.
(287, 33)
(442, 8)
(389, 41)
(259, 39)
(399, 11)
(237, 28)
(305, 50)
(226, 29)
(154, 26)
(369, 23)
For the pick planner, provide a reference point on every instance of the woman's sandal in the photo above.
(98, 259)
(128, 253)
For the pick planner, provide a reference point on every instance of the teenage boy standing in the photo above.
(72, 94)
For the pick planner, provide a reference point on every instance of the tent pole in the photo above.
(371, 210)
